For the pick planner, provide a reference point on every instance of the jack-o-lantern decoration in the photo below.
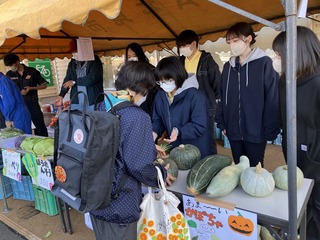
(240, 224)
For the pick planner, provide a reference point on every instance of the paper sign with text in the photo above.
(209, 222)
(39, 170)
(11, 164)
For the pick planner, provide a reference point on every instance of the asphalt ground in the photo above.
(7, 233)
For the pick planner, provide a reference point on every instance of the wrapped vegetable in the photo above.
(10, 132)
(39, 146)
(44, 147)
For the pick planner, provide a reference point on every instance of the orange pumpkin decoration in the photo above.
(240, 224)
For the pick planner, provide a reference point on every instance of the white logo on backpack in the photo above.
(78, 136)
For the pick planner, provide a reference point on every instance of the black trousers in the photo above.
(37, 117)
(213, 145)
(254, 151)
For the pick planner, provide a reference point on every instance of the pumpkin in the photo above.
(280, 175)
(173, 169)
(227, 179)
(240, 224)
(265, 234)
(257, 181)
(185, 156)
(203, 171)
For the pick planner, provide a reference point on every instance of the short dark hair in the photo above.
(308, 51)
(187, 37)
(10, 59)
(137, 49)
(136, 76)
(241, 28)
(171, 67)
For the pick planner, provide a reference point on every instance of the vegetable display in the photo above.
(185, 156)
(9, 132)
(257, 181)
(227, 179)
(203, 171)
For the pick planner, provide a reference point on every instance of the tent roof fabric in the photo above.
(43, 29)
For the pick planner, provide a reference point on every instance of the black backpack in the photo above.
(86, 144)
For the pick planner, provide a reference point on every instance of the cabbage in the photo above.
(28, 144)
(44, 147)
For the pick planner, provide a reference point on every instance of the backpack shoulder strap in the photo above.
(124, 104)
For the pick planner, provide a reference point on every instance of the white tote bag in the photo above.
(160, 218)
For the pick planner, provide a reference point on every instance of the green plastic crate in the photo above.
(45, 201)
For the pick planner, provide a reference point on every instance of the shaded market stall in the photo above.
(26, 29)
(43, 29)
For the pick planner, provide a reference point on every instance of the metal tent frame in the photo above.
(290, 26)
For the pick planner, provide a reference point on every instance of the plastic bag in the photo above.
(160, 218)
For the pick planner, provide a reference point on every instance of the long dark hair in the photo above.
(137, 49)
(308, 51)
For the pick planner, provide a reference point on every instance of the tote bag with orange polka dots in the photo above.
(160, 218)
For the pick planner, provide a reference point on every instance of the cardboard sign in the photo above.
(39, 170)
(209, 222)
(11, 164)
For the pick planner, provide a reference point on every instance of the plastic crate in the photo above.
(45, 201)
(22, 190)
(7, 187)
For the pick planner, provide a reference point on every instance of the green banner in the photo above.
(44, 67)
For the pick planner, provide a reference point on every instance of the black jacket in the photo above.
(308, 123)
(93, 81)
(208, 76)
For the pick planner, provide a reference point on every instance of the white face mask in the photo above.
(168, 86)
(134, 59)
(276, 63)
(238, 48)
(75, 56)
(185, 51)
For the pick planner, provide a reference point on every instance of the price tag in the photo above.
(11, 164)
(39, 170)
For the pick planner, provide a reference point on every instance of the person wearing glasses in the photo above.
(180, 109)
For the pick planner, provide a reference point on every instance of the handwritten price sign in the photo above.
(207, 222)
(11, 164)
(40, 171)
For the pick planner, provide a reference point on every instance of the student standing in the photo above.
(29, 81)
(181, 109)
(206, 71)
(308, 113)
(248, 111)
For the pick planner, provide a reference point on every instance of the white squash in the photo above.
(257, 181)
(227, 179)
(265, 234)
(280, 175)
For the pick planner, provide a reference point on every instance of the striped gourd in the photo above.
(203, 171)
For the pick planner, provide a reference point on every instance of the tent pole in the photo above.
(291, 89)
(232, 8)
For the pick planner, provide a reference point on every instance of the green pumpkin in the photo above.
(280, 175)
(173, 169)
(185, 156)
